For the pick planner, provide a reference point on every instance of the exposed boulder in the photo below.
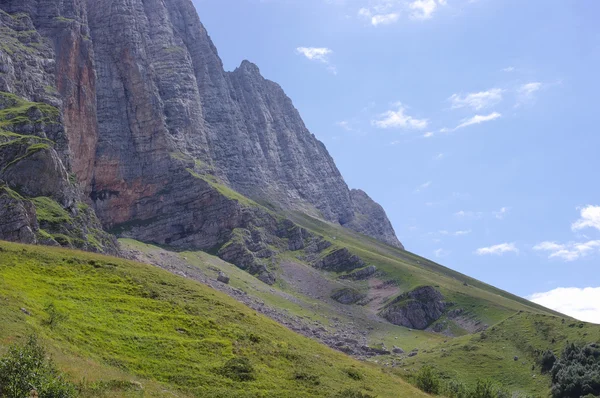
(361, 274)
(223, 278)
(416, 309)
(347, 296)
(339, 260)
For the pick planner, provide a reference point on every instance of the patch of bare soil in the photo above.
(379, 293)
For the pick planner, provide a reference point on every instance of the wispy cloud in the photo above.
(424, 9)
(590, 218)
(423, 187)
(478, 119)
(509, 69)
(439, 253)
(468, 214)
(497, 250)
(477, 101)
(379, 15)
(580, 303)
(526, 93)
(429, 134)
(568, 251)
(500, 214)
(399, 119)
(454, 233)
(573, 250)
(319, 54)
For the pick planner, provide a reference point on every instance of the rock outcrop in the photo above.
(347, 296)
(125, 105)
(40, 193)
(416, 309)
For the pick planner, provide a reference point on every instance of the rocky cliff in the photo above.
(144, 124)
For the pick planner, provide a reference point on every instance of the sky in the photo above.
(474, 123)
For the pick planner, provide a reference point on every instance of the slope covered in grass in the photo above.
(110, 321)
(510, 353)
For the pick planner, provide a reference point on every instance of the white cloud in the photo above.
(568, 251)
(582, 304)
(590, 218)
(428, 135)
(509, 69)
(439, 253)
(319, 54)
(468, 214)
(384, 19)
(345, 125)
(424, 9)
(478, 119)
(477, 101)
(423, 187)
(379, 15)
(526, 93)
(498, 250)
(399, 119)
(500, 214)
(439, 156)
(455, 233)
(462, 233)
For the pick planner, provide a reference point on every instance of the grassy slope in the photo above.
(119, 320)
(492, 354)
(488, 303)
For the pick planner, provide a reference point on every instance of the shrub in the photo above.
(484, 389)
(308, 378)
(353, 374)
(238, 369)
(547, 361)
(428, 381)
(455, 389)
(54, 316)
(577, 372)
(26, 371)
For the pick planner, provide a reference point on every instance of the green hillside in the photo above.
(120, 328)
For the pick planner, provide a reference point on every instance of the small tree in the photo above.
(26, 372)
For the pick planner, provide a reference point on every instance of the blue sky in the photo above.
(473, 122)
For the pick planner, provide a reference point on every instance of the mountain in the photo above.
(117, 120)
(145, 114)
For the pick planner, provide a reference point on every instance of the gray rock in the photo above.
(223, 278)
(347, 296)
(416, 309)
(340, 260)
(361, 274)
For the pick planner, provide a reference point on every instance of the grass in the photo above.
(224, 189)
(15, 111)
(49, 211)
(117, 320)
(491, 354)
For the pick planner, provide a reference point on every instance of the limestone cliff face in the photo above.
(44, 136)
(156, 133)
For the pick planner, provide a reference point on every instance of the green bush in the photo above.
(577, 372)
(238, 369)
(547, 361)
(26, 369)
(455, 389)
(484, 389)
(428, 381)
(353, 374)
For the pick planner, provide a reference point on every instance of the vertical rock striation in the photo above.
(153, 132)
